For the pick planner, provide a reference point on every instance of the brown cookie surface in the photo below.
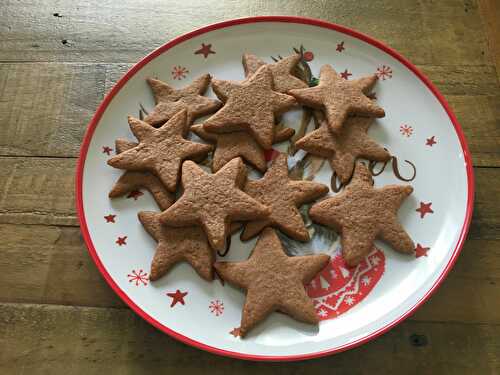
(283, 79)
(130, 180)
(283, 195)
(362, 213)
(344, 147)
(273, 281)
(250, 105)
(214, 201)
(160, 151)
(187, 244)
(169, 101)
(238, 144)
(339, 97)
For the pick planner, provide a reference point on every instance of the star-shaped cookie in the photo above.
(281, 71)
(339, 97)
(160, 151)
(177, 244)
(283, 196)
(362, 213)
(273, 281)
(130, 180)
(238, 144)
(214, 201)
(169, 101)
(344, 147)
(250, 105)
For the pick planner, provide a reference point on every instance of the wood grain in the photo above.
(72, 340)
(50, 264)
(53, 124)
(490, 12)
(124, 31)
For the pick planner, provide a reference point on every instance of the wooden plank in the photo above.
(110, 31)
(490, 12)
(67, 340)
(40, 191)
(37, 123)
(50, 264)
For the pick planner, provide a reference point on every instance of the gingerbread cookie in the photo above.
(160, 151)
(283, 79)
(344, 147)
(339, 97)
(362, 213)
(130, 181)
(283, 196)
(238, 144)
(214, 201)
(177, 244)
(250, 105)
(273, 281)
(169, 101)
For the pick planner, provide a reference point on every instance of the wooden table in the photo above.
(59, 58)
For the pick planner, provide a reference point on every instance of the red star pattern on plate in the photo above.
(177, 297)
(421, 251)
(135, 194)
(235, 332)
(216, 307)
(205, 50)
(110, 218)
(106, 150)
(345, 74)
(425, 208)
(406, 130)
(430, 141)
(179, 72)
(121, 241)
(340, 47)
(384, 72)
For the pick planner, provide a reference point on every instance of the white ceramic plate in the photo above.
(355, 305)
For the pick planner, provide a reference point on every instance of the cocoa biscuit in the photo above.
(273, 281)
(362, 213)
(250, 105)
(130, 180)
(284, 196)
(187, 244)
(339, 97)
(169, 101)
(160, 151)
(283, 79)
(214, 201)
(238, 144)
(344, 147)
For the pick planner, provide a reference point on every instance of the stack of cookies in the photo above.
(211, 206)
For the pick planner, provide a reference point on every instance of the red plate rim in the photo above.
(289, 19)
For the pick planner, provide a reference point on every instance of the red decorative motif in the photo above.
(406, 130)
(308, 56)
(235, 332)
(121, 241)
(271, 154)
(340, 47)
(178, 296)
(106, 150)
(139, 277)
(384, 72)
(179, 72)
(345, 74)
(421, 251)
(135, 194)
(110, 218)
(205, 50)
(430, 141)
(338, 288)
(425, 208)
(216, 307)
